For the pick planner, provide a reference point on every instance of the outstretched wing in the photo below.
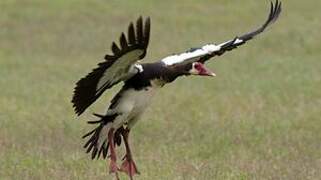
(117, 67)
(210, 50)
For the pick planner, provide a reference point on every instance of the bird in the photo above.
(140, 83)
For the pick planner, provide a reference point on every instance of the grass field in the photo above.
(260, 118)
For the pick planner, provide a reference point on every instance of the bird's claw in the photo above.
(129, 167)
(113, 168)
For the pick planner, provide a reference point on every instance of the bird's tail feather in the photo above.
(98, 143)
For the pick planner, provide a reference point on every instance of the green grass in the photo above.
(258, 119)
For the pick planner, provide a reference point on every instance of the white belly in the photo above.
(131, 105)
(129, 108)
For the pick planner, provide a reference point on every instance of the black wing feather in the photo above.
(92, 144)
(131, 34)
(232, 44)
(273, 16)
(115, 48)
(85, 92)
(123, 41)
(146, 32)
(139, 28)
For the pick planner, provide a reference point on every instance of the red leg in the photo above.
(128, 166)
(113, 158)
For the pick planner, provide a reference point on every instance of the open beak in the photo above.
(203, 71)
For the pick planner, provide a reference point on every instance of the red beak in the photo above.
(203, 71)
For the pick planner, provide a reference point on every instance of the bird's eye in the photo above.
(196, 66)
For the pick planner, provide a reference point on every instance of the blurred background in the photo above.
(258, 119)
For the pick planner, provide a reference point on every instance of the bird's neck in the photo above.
(164, 74)
(155, 75)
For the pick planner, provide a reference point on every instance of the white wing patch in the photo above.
(120, 69)
(237, 41)
(188, 56)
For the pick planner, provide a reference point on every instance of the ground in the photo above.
(258, 119)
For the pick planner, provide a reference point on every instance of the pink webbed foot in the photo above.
(129, 167)
(113, 168)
